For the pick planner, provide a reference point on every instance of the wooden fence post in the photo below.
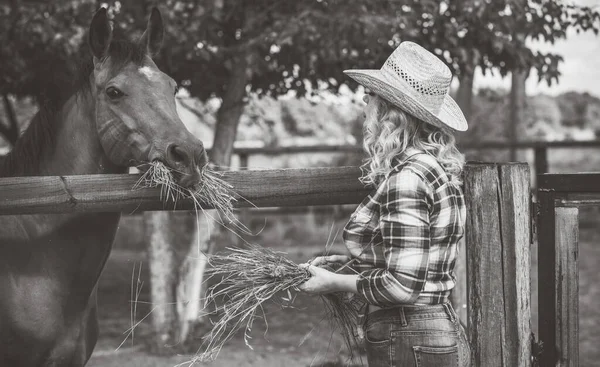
(244, 159)
(546, 233)
(515, 196)
(540, 161)
(498, 245)
(567, 286)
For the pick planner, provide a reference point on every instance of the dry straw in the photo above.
(211, 190)
(247, 278)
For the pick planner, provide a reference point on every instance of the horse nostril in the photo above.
(176, 154)
(201, 158)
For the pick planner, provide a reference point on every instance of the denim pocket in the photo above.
(436, 356)
(378, 333)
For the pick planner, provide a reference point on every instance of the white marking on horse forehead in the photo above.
(148, 72)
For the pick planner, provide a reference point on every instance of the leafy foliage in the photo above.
(289, 45)
(38, 38)
(290, 42)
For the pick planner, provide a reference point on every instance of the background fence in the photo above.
(540, 150)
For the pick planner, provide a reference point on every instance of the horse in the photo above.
(120, 112)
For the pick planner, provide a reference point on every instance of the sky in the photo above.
(580, 68)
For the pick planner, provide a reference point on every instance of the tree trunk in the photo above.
(517, 106)
(11, 131)
(180, 285)
(464, 96)
(230, 112)
(228, 119)
(163, 278)
(190, 304)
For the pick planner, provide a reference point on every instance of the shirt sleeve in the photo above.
(404, 220)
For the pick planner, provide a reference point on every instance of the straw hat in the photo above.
(417, 82)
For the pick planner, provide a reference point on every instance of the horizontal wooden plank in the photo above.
(577, 199)
(532, 144)
(299, 149)
(572, 182)
(110, 193)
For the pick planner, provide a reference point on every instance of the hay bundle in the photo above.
(248, 278)
(212, 189)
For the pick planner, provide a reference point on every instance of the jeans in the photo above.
(416, 336)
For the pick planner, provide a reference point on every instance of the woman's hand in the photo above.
(323, 281)
(331, 259)
(320, 281)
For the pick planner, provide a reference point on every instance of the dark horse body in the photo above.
(122, 113)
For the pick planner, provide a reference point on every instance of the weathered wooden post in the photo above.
(498, 263)
(558, 265)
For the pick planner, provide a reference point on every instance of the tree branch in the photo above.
(193, 111)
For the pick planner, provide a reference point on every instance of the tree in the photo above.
(37, 37)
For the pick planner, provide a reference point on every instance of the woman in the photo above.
(403, 238)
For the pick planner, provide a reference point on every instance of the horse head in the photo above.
(135, 109)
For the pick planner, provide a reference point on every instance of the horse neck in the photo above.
(73, 149)
(71, 246)
(76, 147)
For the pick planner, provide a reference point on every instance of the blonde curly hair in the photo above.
(389, 131)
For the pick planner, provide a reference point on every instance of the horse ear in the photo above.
(153, 35)
(100, 34)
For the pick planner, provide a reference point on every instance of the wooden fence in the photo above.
(498, 233)
(540, 150)
(559, 197)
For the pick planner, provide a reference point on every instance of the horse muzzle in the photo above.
(186, 162)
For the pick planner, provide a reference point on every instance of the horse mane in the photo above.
(24, 159)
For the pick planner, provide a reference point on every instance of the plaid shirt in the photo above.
(405, 235)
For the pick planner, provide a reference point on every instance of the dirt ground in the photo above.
(280, 345)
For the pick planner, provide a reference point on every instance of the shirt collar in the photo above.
(401, 158)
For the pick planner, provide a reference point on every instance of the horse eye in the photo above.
(114, 93)
(176, 89)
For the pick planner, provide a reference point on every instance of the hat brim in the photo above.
(449, 114)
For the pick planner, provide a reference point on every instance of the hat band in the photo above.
(431, 84)
(431, 102)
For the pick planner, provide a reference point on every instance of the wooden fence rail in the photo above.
(497, 237)
(105, 193)
(540, 150)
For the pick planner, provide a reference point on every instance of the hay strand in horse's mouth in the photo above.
(212, 189)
